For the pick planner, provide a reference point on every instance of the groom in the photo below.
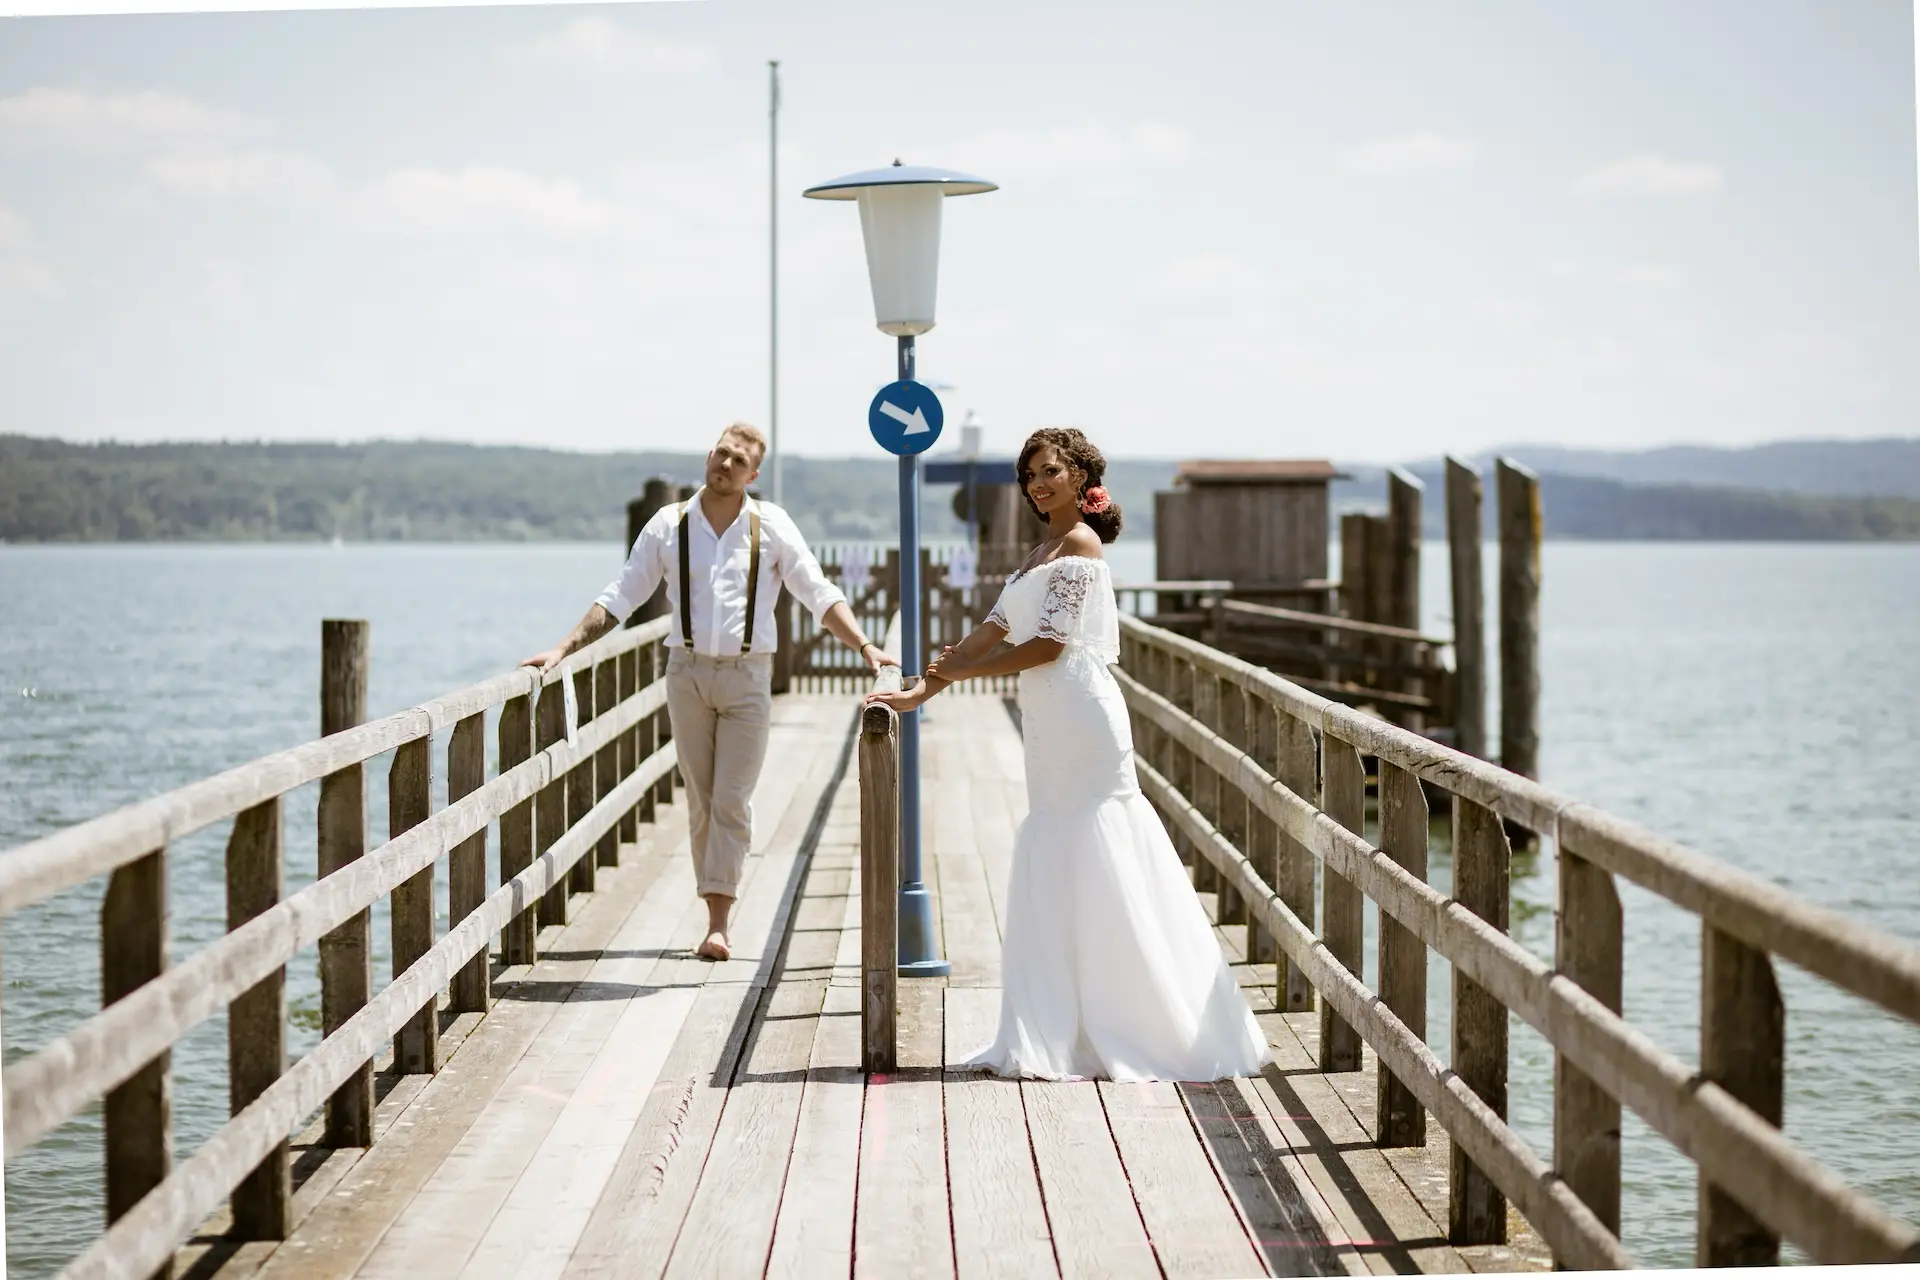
(724, 557)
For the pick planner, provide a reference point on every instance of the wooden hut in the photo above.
(1262, 525)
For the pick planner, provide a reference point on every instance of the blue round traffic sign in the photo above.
(905, 417)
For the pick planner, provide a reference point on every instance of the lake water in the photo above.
(1755, 702)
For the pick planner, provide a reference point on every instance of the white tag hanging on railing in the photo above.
(961, 570)
(856, 570)
(573, 709)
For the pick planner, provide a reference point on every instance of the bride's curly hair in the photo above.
(1079, 452)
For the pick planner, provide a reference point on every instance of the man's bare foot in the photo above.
(715, 947)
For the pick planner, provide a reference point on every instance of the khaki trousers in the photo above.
(721, 710)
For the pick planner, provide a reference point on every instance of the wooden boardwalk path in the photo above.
(628, 1111)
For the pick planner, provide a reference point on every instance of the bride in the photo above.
(1110, 968)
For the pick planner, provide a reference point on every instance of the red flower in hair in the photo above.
(1096, 501)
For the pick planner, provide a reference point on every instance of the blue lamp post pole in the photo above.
(900, 223)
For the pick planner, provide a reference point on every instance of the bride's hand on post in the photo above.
(902, 700)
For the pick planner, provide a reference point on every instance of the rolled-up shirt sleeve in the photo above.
(646, 565)
(801, 573)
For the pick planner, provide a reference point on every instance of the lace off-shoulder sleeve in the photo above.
(1067, 585)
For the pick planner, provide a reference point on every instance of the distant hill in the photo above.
(56, 491)
(1853, 468)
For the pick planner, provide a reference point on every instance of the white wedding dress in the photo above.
(1110, 969)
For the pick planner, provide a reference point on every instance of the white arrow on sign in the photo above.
(915, 422)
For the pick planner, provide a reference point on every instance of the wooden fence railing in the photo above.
(1263, 784)
(565, 799)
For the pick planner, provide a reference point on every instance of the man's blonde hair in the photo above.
(751, 434)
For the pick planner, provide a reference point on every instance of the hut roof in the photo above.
(1257, 471)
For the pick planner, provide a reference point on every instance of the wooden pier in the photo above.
(555, 1087)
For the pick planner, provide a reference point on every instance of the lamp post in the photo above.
(900, 224)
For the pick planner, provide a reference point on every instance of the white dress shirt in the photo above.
(718, 559)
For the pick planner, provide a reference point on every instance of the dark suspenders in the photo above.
(686, 575)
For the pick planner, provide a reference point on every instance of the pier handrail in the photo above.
(1257, 796)
(880, 871)
(587, 789)
(1331, 622)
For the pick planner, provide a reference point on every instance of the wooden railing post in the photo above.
(1586, 1119)
(257, 1021)
(1203, 786)
(1400, 1120)
(1743, 1048)
(1178, 674)
(1263, 838)
(1518, 494)
(1469, 610)
(139, 1113)
(661, 730)
(550, 805)
(1476, 1211)
(516, 827)
(606, 761)
(880, 876)
(1231, 819)
(1298, 769)
(1342, 926)
(416, 1049)
(580, 784)
(627, 751)
(346, 954)
(471, 989)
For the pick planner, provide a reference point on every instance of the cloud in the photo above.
(227, 174)
(1647, 276)
(601, 44)
(1650, 176)
(1067, 149)
(47, 119)
(1412, 153)
(14, 232)
(484, 198)
(21, 271)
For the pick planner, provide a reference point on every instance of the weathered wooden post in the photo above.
(1402, 602)
(550, 804)
(1518, 493)
(257, 1021)
(606, 762)
(1469, 610)
(346, 954)
(1476, 1211)
(416, 1049)
(517, 940)
(1342, 909)
(879, 884)
(471, 989)
(1400, 1120)
(1231, 820)
(1586, 1118)
(139, 1113)
(1299, 769)
(581, 877)
(1743, 1049)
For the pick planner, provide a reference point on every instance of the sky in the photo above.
(1371, 231)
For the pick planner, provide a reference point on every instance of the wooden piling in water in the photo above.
(1469, 610)
(1518, 493)
(346, 954)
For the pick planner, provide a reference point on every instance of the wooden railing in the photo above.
(1263, 784)
(880, 873)
(565, 800)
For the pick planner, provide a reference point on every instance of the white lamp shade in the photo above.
(901, 226)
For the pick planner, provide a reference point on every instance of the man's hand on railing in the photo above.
(547, 660)
(876, 658)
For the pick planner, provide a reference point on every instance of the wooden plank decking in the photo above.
(627, 1111)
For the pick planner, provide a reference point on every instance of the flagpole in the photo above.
(773, 271)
